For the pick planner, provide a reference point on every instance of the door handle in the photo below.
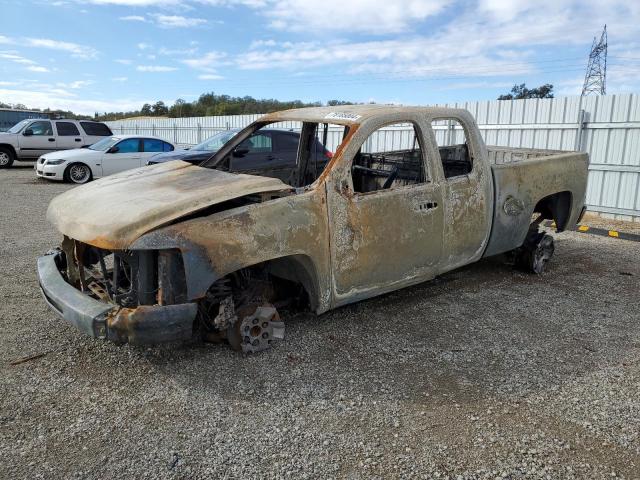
(52, 139)
(78, 140)
(426, 205)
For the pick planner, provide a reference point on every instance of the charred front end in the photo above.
(121, 295)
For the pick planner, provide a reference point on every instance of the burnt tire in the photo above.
(534, 256)
(78, 173)
(6, 157)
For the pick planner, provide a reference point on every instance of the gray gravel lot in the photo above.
(483, 373)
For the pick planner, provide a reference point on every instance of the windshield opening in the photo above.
(295, 152)
(215, 142)
(18, 126)
(104, 144)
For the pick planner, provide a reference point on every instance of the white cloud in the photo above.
(134, 18)
(123, 61)
(38, 69)
(119, 79)
(136, 3)
(177, 21)
(76, 50)
(350, 16)
(370, 16)
(206, 62)
(75, 85)
(178, 52)
(155, 68)
(58, 99)
(143, 46)
(167, 21)
(16, 58)
(79, 51)
(263, 43)
(210, 76)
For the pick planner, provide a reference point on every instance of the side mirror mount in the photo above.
(28, 132)
(240, 151)
(113, 150)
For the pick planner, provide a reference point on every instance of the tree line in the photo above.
(209, 104)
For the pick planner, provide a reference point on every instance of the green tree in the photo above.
(519, 92)
(160, 109)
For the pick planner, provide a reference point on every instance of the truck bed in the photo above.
(524, 177)
(500, 155)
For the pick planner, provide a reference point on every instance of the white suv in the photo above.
(29, 139)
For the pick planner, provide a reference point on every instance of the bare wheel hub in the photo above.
(256, 331)
(542, 253)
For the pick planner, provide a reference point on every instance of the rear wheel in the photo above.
(77, 173)
(536, 252)
(6, 157)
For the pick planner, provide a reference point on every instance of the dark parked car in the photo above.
(267, 149)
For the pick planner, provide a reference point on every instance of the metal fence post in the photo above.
(450, 128)
(175, 133)
(153, 129)
(199, 132)
(582, 120)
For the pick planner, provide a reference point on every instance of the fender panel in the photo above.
(216, 245)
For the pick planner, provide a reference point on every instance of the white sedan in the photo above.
(109, 155)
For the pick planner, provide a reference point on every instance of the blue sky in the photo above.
(106, 55)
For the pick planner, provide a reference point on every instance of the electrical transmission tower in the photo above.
(595, 80)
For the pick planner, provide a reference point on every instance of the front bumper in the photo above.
(144, 325)
(50, 172)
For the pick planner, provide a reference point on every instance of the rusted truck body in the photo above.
(158, 253)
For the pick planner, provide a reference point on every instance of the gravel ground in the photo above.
(483, 373)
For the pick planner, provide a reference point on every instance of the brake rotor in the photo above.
(256, 328)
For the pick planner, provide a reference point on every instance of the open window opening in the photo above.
(295, 152)
(390, 157)
(453, 147)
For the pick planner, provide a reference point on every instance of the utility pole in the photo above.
(595, 80)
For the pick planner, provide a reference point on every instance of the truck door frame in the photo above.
(468, 199)
(368, 256)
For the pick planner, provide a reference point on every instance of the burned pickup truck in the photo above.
(167, 252)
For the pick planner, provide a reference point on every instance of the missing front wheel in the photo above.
(239, 310)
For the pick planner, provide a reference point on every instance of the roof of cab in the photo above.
(349, 114)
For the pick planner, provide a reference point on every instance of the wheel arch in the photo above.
(556, 207)
(296, 268)
(9, 147)
(78, 162)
